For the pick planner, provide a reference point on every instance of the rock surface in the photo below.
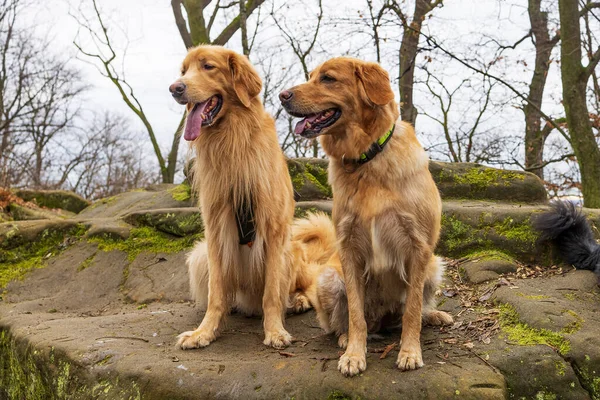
(60, 199)
(92, 305)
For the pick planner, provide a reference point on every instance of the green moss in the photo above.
(481, 178)
(490, 255)
(573, 326)
(457, 236)
(542, 395)
(319, 177)
(33, 374)
(570, 296)
(17, 261)
(338, 395)
(86, 263)
(60, 199)
(588, 379)
(522, 334)
(533, 297)
(145, 239)
(301, 212)
(182, 192)
(521, 232)
(561, 367)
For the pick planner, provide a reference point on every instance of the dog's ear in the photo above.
(246, 82)
(376, 83)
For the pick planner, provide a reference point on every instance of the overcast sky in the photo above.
(155, 50)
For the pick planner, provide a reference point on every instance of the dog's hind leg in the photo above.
(431, 315)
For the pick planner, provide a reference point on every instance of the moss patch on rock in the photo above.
(588, 377)
(15, 262)
(481, 178)
(521, 232)
(474, 181)
(145, 239)
(176, 221)
(520, 333)
(33, 374)
(182, 192)
(60, 199)
(309, 178)
(473, 235)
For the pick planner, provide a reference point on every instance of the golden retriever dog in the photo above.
(386, 207)
(245, 195)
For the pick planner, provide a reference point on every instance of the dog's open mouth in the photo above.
(203, 114)
(311, 125)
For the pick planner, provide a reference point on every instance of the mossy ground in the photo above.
(35, 375)
(55, 199)
(146, 239)
(15, 262)
(481, 178)
(301, 174)
(490, 255)
(479, 239)
(182, 192)
(520, 333)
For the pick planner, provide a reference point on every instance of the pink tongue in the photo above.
(301, 126)
(193, 123)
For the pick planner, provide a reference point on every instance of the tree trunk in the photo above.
(574, 82)
(535, 137)
(408, 55)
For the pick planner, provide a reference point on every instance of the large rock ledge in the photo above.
(92, 303)
(454, 180)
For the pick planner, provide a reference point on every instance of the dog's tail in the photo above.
(566, 227)
(197, 262)
(317, 233)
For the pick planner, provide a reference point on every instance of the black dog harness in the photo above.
(376, 148)
(244, 216)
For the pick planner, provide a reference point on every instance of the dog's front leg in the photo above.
(354, 360)
(410, 356)
(217, 304)
(274, 298)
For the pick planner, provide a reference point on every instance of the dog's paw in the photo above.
(194, 339)
(352, 364)
(343, 341)
(278, 339)
(301, 304)
(409, 358)
(437, 318)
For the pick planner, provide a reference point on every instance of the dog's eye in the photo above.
(327, 78)
(208, 67)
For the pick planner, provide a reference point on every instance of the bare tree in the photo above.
(575, 78)
(302, 46)
(18, 69)
(198, 30)
(54, 108)
(110, 160)
(466, 136)
(409, 50)
(535, 134)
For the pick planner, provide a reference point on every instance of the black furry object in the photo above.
(568, 229)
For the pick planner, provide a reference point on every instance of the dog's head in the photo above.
(342, 94)
(213, 80)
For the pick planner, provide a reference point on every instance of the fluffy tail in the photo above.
(566, 227)
(317, 234)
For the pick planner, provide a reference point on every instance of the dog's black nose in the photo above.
(177, 89)
(286, 95)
